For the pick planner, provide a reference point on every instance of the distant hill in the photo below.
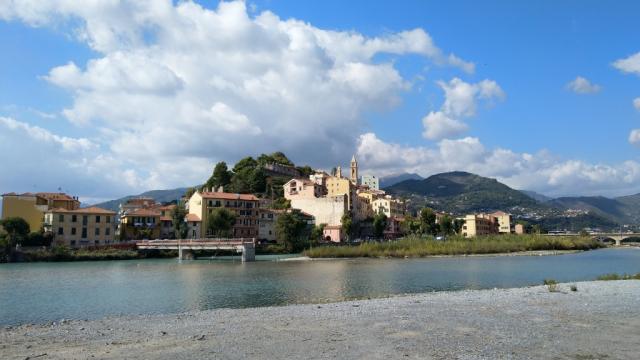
(536, 196)
(463, 192)
(625, 209)
(160, 196)
(391, 180)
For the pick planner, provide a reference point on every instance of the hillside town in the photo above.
(341, 208)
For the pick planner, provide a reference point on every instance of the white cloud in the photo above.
(437, 125)
(460, 102)
(174, 83)
(629, 65)
(541, 172)
(580, 85)
(636, 103)
(634, 137)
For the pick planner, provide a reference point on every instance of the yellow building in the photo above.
(32, 206)
(505, 222)
(90, 226)
(389, 206)
(140, 224)
(479, 224)
(340, 186)
(245, 206)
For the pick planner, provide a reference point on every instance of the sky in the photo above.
(106, 98)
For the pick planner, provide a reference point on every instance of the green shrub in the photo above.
(609, 277)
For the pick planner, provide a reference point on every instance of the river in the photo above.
(41, 292)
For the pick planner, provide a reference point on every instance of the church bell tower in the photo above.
(354, 170)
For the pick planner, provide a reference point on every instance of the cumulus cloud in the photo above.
(460, 102)
(175, 86)
(541, 171)
(636, 103)
(629, 65)
(581, 85)
(634, 137)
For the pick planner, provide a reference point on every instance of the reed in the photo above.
(414, 246)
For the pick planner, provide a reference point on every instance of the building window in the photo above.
(74, 218)
(97, 219)
(97, 231)
(84, 233)
(60, 231)
(97, 242)
(108, 219)
(73, 243)
(85, 219)
(61, 218)
(107, 231)
(73, 231)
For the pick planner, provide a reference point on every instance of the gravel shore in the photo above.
(599, 321)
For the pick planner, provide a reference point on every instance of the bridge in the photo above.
(617, 237)
(186, 247)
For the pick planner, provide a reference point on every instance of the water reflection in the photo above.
(51, 291)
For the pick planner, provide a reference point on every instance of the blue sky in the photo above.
(108, 130)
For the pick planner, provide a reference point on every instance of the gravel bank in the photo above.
(599, 321)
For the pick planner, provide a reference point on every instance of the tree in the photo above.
(190, 191)
(457, 225)
(379, 224)
(428, 221)
(280, 158)
(306, 171)
(347, 225)
(317, 233)
(220, 222)
(281, 203)
(446, 225)
(220, 177)
(291, 230)
(536, 229)
(180, 226)
(244, 164)
(17, 230)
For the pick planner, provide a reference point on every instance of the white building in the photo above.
(371, 181)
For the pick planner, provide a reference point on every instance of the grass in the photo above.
(609, 277)
(414, 246)
(551, 284)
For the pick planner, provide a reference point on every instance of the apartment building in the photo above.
(32, 206)
(479, 224)
(389, 206)
(245, 206)
(83, 227)
(505, 222)
(140, 224)
(302, 188)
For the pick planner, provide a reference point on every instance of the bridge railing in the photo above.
(202, 241)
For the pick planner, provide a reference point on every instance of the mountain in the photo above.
(625, 209)
(536, 196)
(160, 196)
(391, 180)
(462, 192)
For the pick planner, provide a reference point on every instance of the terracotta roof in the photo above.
(54, 196)
(143, 212)
(87, 210)
(228, 196)
(165, 207)
(192, 217)
(166, 218)
(498, 213)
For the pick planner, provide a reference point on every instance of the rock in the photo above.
(200, 338)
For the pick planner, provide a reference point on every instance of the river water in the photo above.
(41, 292)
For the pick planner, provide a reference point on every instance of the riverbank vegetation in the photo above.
(415, 246)
(114, 252)
(609, 277)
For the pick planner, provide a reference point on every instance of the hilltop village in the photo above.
(248, 203)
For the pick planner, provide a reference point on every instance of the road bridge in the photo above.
(618, 238)
(186, 247)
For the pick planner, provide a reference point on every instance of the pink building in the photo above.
(333, 233)
(302, 189)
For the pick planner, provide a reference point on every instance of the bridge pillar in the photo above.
(185, 254)
(248, 253)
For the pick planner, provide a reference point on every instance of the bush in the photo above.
(609, 277)
(551, 284)
(573, 288)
